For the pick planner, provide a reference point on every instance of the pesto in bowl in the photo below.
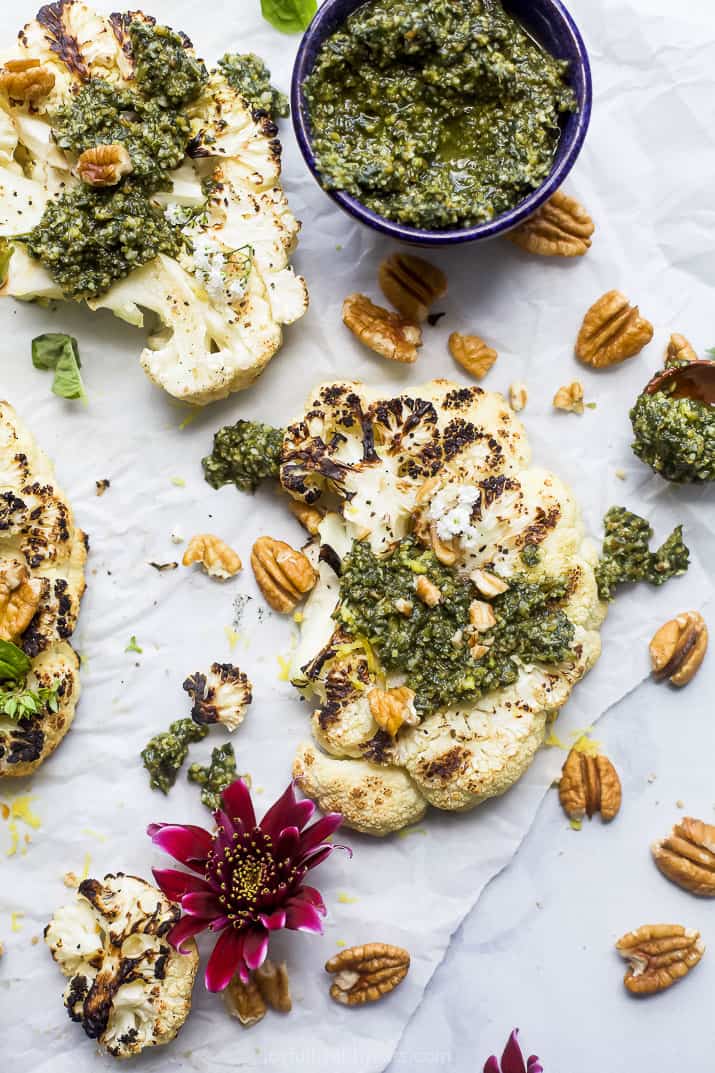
(435, 114)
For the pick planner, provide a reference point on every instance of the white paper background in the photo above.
(646, 176)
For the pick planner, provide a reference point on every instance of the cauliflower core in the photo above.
(42, 557)
(450, 468)
(128, 987)
(219, 303)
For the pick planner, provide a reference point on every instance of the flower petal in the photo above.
(534, 1065)
(318, 832)
(255, 947)
(237, 803)
(274, 921)
(174, 884)
(310, 896)
(288, 843)
(183, 842)
(512, 1061)
(492, 1065)
(303, 917)
(226, 958)
(185, 930)
(202, 904)
(226, 826)
(287, 812)
(315, 857)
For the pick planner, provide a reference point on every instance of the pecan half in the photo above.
(284, 575)
(678, 648)
(367, 973)
(272, 982)
(612, 331)
(386, 333)
(659, 956)
(589, 784)
(217, 559)
(679, 349)
(390, 708)
(26, 80)
(411, 285)
(687, 856)
(104, 165)
(570, 398)
(19, 598)
(560, 228)
(472, 353)
(245, 1001)
(309, 517)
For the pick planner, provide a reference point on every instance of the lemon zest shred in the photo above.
(346, 899)
(87, 866)
(16, 920)
(554, 742)
(231, 636)
(14, 838)
(575, 825)
(407, 831)
(284, 663)
(20, 810)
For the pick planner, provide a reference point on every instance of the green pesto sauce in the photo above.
(626, 554)
(530, 625)
(164, 70)
(166, 752)
(436, 113)
(249, 75)
(676, 437)
(214, 779)
(244, 454)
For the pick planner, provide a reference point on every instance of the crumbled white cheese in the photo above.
(176, 215)
(209, 261)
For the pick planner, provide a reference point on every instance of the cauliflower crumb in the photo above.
(177, 537)
(70, 880)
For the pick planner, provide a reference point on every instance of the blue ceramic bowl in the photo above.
(550, 24)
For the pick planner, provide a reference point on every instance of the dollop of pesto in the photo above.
(249, 75)
(430, 645)
(675, 437)
(214, 779)
(244, 454)
(436, 113)
(626, 554)
(163, 68)
(165, 754)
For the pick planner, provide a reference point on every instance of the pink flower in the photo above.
(246, 878)
(512, 1061)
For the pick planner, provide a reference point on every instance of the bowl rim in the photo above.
(403, 232)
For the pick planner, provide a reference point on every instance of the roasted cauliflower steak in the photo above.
(42, 557)
(448, 467)
(218, 306)
(127, 986)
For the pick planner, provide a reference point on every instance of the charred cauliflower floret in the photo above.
(132, 178)
(42, 556)
(127, 986)
(456, 606)
(221, 696)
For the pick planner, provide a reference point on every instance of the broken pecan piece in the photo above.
(284, 575)
(245, 1001)
(659, 956)
(390, 708)
(687, 856)
(309, 517)
(104, 165)
(679, 349)
(488, 584)
(411, 285)
(26, 80)
(612, 331)
(560, 228)
(386, 333)
(589, 784)
(472, 353)
(216, 557)
(272, 982)
(19, 598)
(367, 973)
(678, 648)
(427, 591)
(570, 398)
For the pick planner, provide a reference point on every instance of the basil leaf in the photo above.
(68, 382)
(289, 16)
(60, 352)
(14, 664)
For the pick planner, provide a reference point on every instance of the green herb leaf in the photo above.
(6, 251)
(289, 16)
(14, 664)
(68, 381)
(60, 352)
(133, 646)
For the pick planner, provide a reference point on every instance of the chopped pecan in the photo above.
(390, 708)
(518, 396)
(405, 607)
(560, 228)
(476, 648)
(245, 1001)
(217, 559)
(411, 285)
(448, 552)
(678, 648)
(104, 165)
(488, 584)
(472, 353)
(19, 598)
(386, 333)
(427, 591)
(589, 784)
(687, 856)
(659, 956)
(570, 398)
(272, 982)
(284, 575)
(679, 349)
(367, 973)
(612, 331)
(481, 616)
(26, 80)
(309, 517)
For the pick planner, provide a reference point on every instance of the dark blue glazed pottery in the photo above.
(551, 25)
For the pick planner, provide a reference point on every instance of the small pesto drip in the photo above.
(214, 779)
(530, 554)
(626, 554)
(249, 75)
(166, 752)
(163, 68)
(430, 645)
(244, 454)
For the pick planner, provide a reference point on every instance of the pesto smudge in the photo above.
(250, 77)
(165, 754)
(214, 779)
(626, 554)
(244, 454)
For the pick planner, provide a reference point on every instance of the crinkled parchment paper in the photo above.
(93, 797)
